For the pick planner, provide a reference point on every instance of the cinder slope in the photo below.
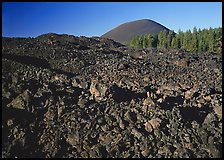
(127, 31)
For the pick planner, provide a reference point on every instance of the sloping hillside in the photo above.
(127, 31)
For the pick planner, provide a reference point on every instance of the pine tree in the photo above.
(145, 42)
(174, 43)
(205, 39)
(150, 40)
(140, 41)
(194, 41)
(180, 38)
(211, 42)
(218, 40)
(165, 39)
(134, 41)
(187, 40)
(155, 41)
(197, 41)
(169, 38)
(160, 40)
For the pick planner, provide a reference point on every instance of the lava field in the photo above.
(78, 97)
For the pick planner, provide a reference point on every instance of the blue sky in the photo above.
(24, 19)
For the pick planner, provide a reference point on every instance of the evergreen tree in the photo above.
(201, 42)
(140, 41)
(218, 40)
(145, 42)
(187, 40)
(174, 43)
(205, 37)
(219, 45)
(211, 38)
(155, 41)
(169, 39)
(180, 37)
(164, 39)
(134, 42)
(150, 39)
(196, 41)
(160, 40)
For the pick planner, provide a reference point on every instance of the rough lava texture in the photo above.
(125, 32)
(67, 96)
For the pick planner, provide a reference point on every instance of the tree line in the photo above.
(193, 41)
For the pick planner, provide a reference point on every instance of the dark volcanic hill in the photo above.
(127, 31)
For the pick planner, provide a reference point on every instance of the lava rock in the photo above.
(70, 97)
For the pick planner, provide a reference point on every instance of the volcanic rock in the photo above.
(70, 97)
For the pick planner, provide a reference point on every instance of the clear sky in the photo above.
(24, 19)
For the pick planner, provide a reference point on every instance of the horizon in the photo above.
(90, 19)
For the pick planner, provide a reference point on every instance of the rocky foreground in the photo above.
(66, 96)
